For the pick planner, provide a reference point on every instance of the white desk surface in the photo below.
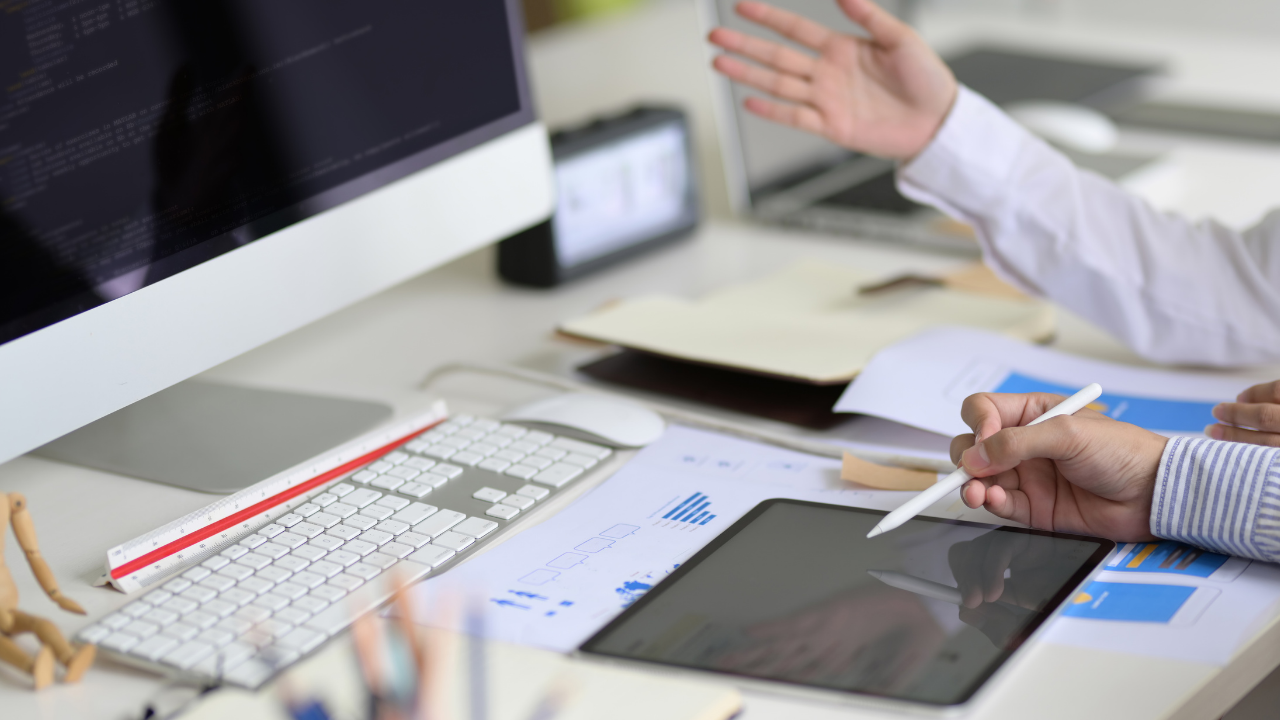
(382, 347)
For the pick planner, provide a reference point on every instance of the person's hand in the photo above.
(1082, 473)
(1253, 418)
(886, 95)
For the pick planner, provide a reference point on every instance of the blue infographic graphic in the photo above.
(1131, 602)
(1170, 557)
(693, 511)
(1145, 412)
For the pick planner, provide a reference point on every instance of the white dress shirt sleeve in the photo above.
(1173, 290)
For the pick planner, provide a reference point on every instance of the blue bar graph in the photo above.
(693, 510)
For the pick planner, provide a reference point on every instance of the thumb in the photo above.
(885, 29)
(1056, 439)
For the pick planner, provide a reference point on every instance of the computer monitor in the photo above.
(184, 180)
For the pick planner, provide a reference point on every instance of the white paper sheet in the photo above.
(556, 584)
(923, 381)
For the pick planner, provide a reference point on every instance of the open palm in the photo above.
(886, 95)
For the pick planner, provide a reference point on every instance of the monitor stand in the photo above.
(215, 438)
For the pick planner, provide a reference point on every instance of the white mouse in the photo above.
(1074, 127)
(594, 417)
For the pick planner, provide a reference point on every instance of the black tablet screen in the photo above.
(795, 592)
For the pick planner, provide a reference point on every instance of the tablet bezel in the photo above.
(1104, 548)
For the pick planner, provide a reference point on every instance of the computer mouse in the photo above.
(594, 418)
(1075, 127)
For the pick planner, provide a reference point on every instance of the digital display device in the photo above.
(624, 184)
(795, 592)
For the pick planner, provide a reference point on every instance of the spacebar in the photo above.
(367, 597)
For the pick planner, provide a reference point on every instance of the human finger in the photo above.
(1261, 393)
(1260, 416)
(988, 413)
(1056, 439)
(777, 56)
(885, 29)
(999, 495)
(959, 444)
(780, 85)
(785, 23)
(1242, 435)
(800, 117)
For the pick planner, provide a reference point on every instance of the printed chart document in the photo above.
(923, 381)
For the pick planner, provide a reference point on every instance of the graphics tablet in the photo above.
(795, 594)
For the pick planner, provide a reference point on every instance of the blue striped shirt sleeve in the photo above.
(1220, 496)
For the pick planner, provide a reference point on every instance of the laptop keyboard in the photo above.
(260, 605)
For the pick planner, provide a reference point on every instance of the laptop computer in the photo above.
(780, 175)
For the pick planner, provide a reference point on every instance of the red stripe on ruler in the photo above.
(255, 510)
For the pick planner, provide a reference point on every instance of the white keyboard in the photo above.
(256, 607)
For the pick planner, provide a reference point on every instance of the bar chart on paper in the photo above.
(690, 513)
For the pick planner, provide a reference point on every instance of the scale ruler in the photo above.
(143, 560)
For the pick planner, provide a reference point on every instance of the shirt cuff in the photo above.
(1220, 496)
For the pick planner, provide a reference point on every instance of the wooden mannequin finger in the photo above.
(1259, 416)
(775, 55)
(788, 24)
(1242, 435)
(780, 85)
(796, 116)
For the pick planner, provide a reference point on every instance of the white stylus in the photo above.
(952, 482)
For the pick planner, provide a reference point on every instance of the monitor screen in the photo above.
(139, 138)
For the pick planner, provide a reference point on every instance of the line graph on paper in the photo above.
(688, 514)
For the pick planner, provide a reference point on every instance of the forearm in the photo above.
(1174, 291)
(1220, 496)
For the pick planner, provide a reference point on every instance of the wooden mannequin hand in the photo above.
(68, 604)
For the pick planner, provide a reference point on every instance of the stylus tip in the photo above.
(874, 531)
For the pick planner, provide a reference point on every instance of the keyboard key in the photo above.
(116, 621)
(178, 584)
(253, 541)
(249, 674)
(254, 560)
(216, 637)
(509, 455)
(120, 642)
(291, 540)
(312, 578)
(455, 442)
(524, 472)
(471, 433)
(275, 550)
(432, 479)
(443, 452)
(310, 553)
(274, 574)
(362, 497)
(326, 542)
(453, 541)
(343, 510)
(271, 601)
(468, 458)
(498, 440)
(200, 619)
(275, 628)
(414, 539)
(196, 574)
(475, 527)
(360, 547)
(327, 593)
(346, 582)
(200, 593)
(380, 466)
(389, 482)
(252, 614)
(378, 512)
(395, 457)
(325, 520)
(391, 527)
(533, 491)
(364, 476)
(341, 490)
(415, 490)
(364, 571)
(419, 463)
(582, 461)
(551, 453)
(484, 448)
(307, 529)
(538, 437)
(255, 585)
(503, 512)
(310, 604)
(536, 461)
(439, 522)
(377, 537)
(344, 532)
(524, 446)
(236, 596)
(343, 558)
(234, 552)
(214, 564)
(220, 607)
(324, 500)
(188, 654)
(327, 569)
(136, 609)
(306, 510)
(404, 472)
(577, 446)
(290, 520)
(488, 494)
(485, 424)
(447, 470)
(290, 590)
(235, 624)
(393, 502)
(154, 648)
(303, 640)
(226, 659)
(140, 628)
(156, 597)
(396, 549)
(378, 560)
(181, 632)
(514, 431)
(180, 605)
(557, 475)
(518, 501)
(160, 617)
(415, 513)
(94, 634)
(360, 522)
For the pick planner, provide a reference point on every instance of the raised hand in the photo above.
(1083, 473)
(1253, 418)
(886, 95)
